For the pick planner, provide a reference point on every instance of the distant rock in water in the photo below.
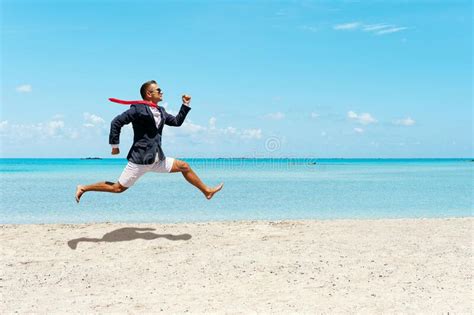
(91, 158)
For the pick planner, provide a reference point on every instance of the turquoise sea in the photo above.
(42, 190)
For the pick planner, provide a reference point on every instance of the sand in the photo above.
(340, 266)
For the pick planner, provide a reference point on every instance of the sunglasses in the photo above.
(157, 90)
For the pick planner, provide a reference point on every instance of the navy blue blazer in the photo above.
(146, 136)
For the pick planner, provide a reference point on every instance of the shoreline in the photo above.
(164, 223)
(303, 266)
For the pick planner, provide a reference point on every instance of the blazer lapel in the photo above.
(150, 115)
(162, 121)
(162, 117)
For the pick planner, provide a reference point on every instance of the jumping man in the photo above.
(146, 154)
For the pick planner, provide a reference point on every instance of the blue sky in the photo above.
(268, 79)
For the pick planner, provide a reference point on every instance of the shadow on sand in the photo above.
(128, 234)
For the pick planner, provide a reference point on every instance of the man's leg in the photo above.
(102, 186)
(192, 178)
(131, 173)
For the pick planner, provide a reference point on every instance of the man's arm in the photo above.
(178, 120)
(116, 126)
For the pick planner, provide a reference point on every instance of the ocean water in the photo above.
(42, 190)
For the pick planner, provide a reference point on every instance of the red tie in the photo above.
(115, 100)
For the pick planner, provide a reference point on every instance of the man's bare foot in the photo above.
(214, 190)
(79, 192)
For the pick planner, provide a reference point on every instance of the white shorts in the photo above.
(133, 172)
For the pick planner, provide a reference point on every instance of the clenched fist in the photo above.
(186, 99)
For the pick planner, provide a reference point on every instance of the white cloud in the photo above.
(212, 122)
(347, 26)
(54, 127)
(25, 88)
(374, 27)
(352, 115)
(190, 128)
(359, 130)
(405, 122)
(275, 116)
(364, 118)
(3, 125)
(391, 30)
(92, 120)
(211, 133)
(230, 130)
(44, 130)
(251, 134)
(377, 29)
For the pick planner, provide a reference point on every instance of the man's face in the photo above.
(154, 93)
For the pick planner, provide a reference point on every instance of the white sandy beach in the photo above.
(343, 266)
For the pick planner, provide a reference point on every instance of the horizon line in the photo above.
(255, 158)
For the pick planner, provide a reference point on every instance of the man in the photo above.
(146, 154)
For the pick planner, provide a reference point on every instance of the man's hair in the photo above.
(145, 86)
